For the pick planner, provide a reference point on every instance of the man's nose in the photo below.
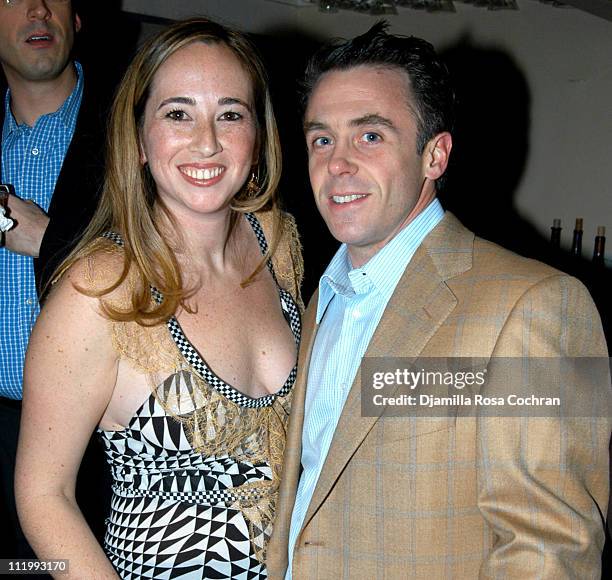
(38, 10)
(341, 161)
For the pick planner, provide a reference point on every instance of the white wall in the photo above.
(565, 55)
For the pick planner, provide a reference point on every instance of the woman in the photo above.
(174, 269)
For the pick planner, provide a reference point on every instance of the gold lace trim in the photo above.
(287, 260)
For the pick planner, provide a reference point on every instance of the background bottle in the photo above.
(555, 233)
(577, 239)
(600, 246)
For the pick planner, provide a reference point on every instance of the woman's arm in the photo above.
(70, 373)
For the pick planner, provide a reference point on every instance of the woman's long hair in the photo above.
(129, 203)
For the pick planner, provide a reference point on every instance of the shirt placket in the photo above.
(35, 160)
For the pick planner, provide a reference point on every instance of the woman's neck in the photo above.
(210, 245)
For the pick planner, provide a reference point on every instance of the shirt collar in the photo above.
(384, 269)
(10, 124)
(335, 280)
(67, 112)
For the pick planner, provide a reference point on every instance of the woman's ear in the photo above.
(142, 154)
(256, 150)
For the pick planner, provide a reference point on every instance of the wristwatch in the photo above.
(5, 190)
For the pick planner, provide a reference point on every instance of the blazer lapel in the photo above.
(277, 549)
(419, 305)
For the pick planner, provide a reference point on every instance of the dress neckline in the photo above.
(197, 362)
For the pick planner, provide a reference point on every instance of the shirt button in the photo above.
(356, 314)
(35, 151)
(29, 301)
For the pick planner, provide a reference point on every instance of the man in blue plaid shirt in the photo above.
(45, 157)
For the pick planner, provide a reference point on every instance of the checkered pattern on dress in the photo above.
(211, 497)
(288, 304)
(199, 365)
(113, 237)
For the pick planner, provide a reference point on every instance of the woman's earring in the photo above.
(253, 188)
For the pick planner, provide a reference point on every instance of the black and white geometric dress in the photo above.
(196, 471)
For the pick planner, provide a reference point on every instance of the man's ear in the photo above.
(77, 22)
(436, 155)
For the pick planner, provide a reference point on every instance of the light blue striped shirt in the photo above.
(32, 158)
(351, 304)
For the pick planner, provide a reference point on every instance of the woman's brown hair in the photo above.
(129, 204)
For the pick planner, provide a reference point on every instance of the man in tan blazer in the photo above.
(462, 496)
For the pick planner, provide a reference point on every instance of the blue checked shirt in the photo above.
(32, 158)
(351, 304)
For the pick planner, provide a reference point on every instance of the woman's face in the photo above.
(199, 129)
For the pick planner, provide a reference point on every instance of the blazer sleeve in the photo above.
(543, 481)
(77, 191)
(63, 232)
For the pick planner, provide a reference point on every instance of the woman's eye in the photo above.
(321, 142)
(230, 116)
(371, 138)
(176, 115)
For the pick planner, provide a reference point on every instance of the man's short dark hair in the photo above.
(432, 94)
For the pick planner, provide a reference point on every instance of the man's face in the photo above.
(36, 37)
(367, 178)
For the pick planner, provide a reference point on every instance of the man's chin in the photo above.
(349, 236)
(44, 68)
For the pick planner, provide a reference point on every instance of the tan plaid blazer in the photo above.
(462, 498)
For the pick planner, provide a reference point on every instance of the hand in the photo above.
(31, 222)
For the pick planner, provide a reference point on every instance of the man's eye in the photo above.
(176, 115)
(321, 142)
(371, 138)
(230, 116)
